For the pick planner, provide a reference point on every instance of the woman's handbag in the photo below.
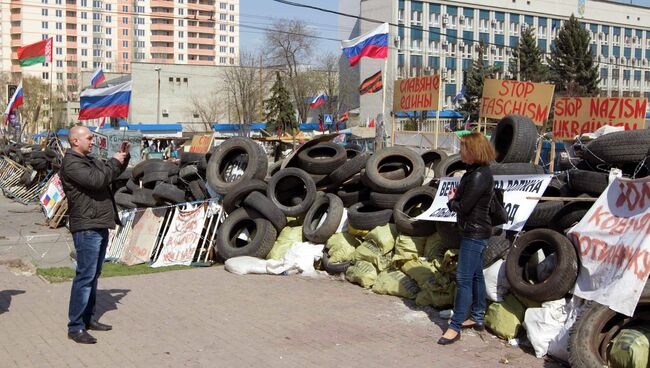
(498, 214)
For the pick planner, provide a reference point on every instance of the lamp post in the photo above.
(157, 69)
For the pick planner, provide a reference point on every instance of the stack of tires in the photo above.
(38, 161)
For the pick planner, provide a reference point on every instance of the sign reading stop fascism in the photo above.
(417, 94)
(573, 116)
(507, 97)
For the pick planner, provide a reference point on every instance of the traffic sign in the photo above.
(328, 119)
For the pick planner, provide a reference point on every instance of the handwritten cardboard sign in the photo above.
(182, 238)
(144, 234)
(516, 189)
(510, 97)
(417, 94)
(201, 143)
(573, 116)
(613, 243)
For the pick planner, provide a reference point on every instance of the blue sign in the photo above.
(328, 119)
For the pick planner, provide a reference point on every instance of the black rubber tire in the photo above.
(569, 215)
(497, 247)
(351, 194)
(353, 147)
(591, 334)
(150, 179)
(171, 168)
(420, 196)
(583, 181)
(333, 268)
(543, 213)
(189, 173)
(191, 158)
(124, 200)
(348, 169)
(432, 159)
(273, 168)
(168, 193)
(266, 208)
(294, 183)
(49, 152)
(132, 185)
(448, 166)
(139, 168)
(236, 196)
(384, 200)
(323, 158)
(198, 190)
(143, 197)
(618, 147)
(126, 174)
(449, 234)
(256, 165)
(406, 156)
(516, 168)
(325, 204)
(261, 230)
(514, 139)
(363, 216)
(561, 280)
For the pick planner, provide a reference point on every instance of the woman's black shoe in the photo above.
(475, 326)
(446, 341)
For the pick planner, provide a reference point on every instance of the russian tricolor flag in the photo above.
(97, 78)
(16, 100)
(317, 101)
(373, 45)
(105, 102)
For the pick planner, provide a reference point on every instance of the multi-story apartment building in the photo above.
(89, 34)
(435, 35)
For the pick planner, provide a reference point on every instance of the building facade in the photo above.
(441, 36)
(111, 34)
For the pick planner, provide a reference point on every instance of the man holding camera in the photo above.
(86, 182)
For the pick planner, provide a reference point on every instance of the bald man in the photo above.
(91, 208)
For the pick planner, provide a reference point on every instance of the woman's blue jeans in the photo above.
(470, 284)
(91, 249)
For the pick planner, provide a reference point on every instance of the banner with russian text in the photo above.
(146, 226)
(417, 94)
(516, 189)
(510, 97)
(613, 241)
(182, 238)
(573, 116)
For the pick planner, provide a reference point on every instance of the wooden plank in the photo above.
(565, 199)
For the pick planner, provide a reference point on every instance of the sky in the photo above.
(262, 13)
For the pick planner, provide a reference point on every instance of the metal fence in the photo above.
(10, 175)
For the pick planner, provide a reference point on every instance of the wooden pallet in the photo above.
(60, 211)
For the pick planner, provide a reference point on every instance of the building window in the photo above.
(125, 32)
(125, 43)
(125, 8)
(44, 12)
(108, 30)
(84, 64)
(84, 52)
(84, 39)
(181, 57)
(181, 45)
(181, 23)
(125, 67)
(222, 27)
(109, 54)
(223, 6)
(125, 55)
(181, 34)
(108, 18)
(222, 49)
(59, 63)
(109, 42)
(59, 38)
(59, 50)
(59, 76)
(44, 25)
(46, 75)
(125, 20)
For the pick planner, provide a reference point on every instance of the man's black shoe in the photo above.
(81, 337)
(97, 326)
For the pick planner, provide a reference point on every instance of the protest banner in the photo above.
(508, 97)
(201, 143)
(613, 242)
(100, 148)
(516, 190)
(146, 226)
(417, 94)
(52, 196)
(573, 116)
(182, 238)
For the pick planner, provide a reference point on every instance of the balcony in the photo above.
(71, 58)
(200, 29)
(199, 6)
(162, 26)
(168, 60)
(71, 19)
(16, 42)
(16, 29)
(201, 40)
(204, 52)
(71, 44)
(161, 50)
(16, 16)
(162, 38)
(162, 4)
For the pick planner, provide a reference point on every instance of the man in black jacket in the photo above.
(86, 182)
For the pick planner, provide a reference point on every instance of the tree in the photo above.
(526, 62)
(208, 107)
(279, 109)
(290, 43)
(474, 83)
(245, 87)
(573, 67)
(35, 108)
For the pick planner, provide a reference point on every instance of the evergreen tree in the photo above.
(279, 109)
(573, 67)
(474, 84)
(526, 62)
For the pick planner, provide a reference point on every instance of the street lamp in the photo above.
(157, 69)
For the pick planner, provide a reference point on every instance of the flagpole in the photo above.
(51, 86)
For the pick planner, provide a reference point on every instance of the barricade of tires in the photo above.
(37, 160)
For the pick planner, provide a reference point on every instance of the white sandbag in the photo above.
(496, 283)
(544, 324)
(559, 346)
(245, 264)
(299, 258)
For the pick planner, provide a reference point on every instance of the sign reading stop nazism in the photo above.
(510, 97)
(417, 94)
(573, 116)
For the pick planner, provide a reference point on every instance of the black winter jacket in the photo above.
(472, 202)
(86, 182)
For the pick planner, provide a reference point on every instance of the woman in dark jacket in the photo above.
(471, 202)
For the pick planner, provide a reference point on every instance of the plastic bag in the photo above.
(504, 318)
(383, 236)
(630, 349)
(408, 247)
(559, 346)
(356, 232)
(369, 251)
(299, 258)
(395, 283)
(362, 273)
(496, 283)
(418, 270)
(284, 241)
(245, 264)
(544, 324)
(433, 248)
(342, 238)
(436, 295)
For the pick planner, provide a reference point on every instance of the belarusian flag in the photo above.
(36, 53)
